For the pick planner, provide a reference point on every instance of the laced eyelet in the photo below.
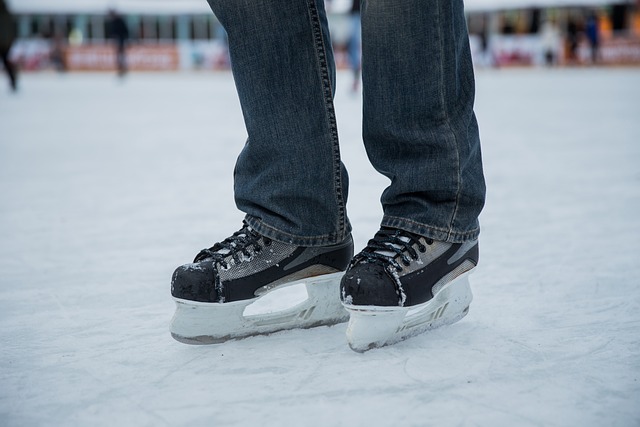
(406, 263)
(422, 249)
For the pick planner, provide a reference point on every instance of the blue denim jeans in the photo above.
(419, 128)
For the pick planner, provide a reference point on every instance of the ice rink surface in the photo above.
(106, 186)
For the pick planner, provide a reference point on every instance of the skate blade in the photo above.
(374, 326)
(213, 323)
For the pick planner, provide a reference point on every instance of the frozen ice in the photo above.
(107, 185)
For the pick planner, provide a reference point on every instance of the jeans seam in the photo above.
(458, 176)
(327, 92)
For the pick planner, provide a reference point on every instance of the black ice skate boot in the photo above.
(403, 284)
(212, 293)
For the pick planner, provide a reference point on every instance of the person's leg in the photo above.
(9, 67)
(121, 57)
(419, 126)
(289, 178)
(421, 132)
(354, 48)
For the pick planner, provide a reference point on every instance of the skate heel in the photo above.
(212, 323)
(374, 326)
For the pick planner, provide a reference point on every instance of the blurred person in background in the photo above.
(419, 130)
(551, 41)
(593, 36)
(58, 49)
(354, 43)
(572, 41)
(119, 32)
(7, 36)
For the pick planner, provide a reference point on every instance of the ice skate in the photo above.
(213, 293)
(403, 284)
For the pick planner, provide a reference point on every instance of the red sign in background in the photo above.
(138, 58)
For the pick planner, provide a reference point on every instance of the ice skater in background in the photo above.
(593, 36)
(7, 36)
(551, 42)
(119, 32)
(419, 130)
(354, 44)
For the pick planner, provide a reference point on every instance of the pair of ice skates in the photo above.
(400, 285)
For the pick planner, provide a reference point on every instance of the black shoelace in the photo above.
(238, 244)
(390, 247)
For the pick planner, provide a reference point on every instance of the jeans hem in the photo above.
(282, 236)
(436, 233)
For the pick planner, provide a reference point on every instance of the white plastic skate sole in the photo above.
(375, 326)
(212, 323)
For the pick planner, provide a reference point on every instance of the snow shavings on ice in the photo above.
(101, 197)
